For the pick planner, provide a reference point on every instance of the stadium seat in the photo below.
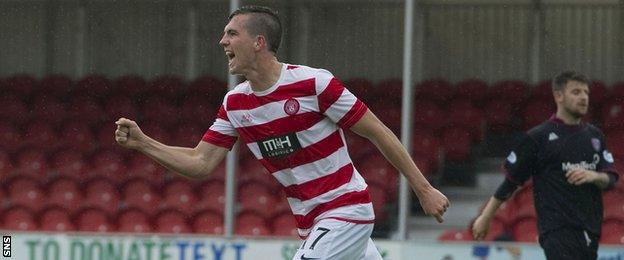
(94, 220)
(610, 226)
(25, 191)
(498, 117)
(285, 225)
(211, 196)
(64, 192)
(613, 207)
(250, 223)
(6, 165)
(159, 110)
(358, 146)
(613, 116)
(14, 110)
(109, 164)
(379, 198)
(254, 171)
(19, 218)
(78, 136)
(208, 222)
(454, 235)
(473, 89)
(171, 221)
(119, 106)
(87, 110)
(542, 92)
(210, 87)
(93, 85)
(462, 114)
(102, 194)
(390, 115)
(198, 109)
(56, 219)
(187, 134)
(156, 131)
(512, 92)
(179, 194)
(497, 228)
(426, 144)
(49, 109)
(536, 112)
(21, 84)
(10, 138)
(41, 136)
(56, 85)
(69, 163)
(525, 230)
(144, 167)
(456, 144)
(32, 162)
(598, 93)
(437, 90)
(429, 115)
(140, 194)
(388, 91)
(133, 220)
(129, 85)
(361, 88)
(168, 86)
(377, 170)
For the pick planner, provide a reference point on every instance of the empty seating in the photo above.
(56, 219)
(94, 220)
(171, 221)
(133, 220)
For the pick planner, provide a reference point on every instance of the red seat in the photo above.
(14, 110)
(64, 192)
(536, 112)
(130, 85)
(171, 221)
(33, 162)
(102, 194)
(86, 110)
(456, 144)
(93, 85)
(610, 226)
(69, 163)
(109, 164)
(133, 220)
(187, 135)
(140, 194)
(94, 220)
(21, 84)
(429, 115)
(285, 225)
(361, 88)
(208, 222)
(212, 196)
(542, 92)
(49, 109)
(6, 165)
(377, 170)
(473, 89)
(497, 228)
(41, 136)
(262, 203)
(156, 132)
(358, 146)
(145, 167)
(56, 219)
(613, 207)
(613, 116)
(19, 218)
(462, 114)
(498, 116)
(512, 92)
(426, 145)
(598, 93)
(10, 138)
(168, 86)
(454, 235)
(56, 85)
(437, 90)
(159, 110)
(390, 115)
(525, 230)
(78, 137)
(254, 171)
(388, 91)
(214, 89)
(180, 194)
(613, 239)
(250, 223)
(25, 191)
(379, 199)
(120, 106)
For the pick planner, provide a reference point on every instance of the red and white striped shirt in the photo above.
(294, 129)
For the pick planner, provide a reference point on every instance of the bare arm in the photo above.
(433, 202)
(195, 162)
(481, 225)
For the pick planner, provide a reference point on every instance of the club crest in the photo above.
(291, 107)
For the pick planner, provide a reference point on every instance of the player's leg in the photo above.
(567, 244)
(335, 239)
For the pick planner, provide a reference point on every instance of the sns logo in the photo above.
(6, 246)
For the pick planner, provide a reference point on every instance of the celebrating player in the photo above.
(292, 119)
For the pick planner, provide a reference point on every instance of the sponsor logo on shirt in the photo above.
(607, 156)
(512, 157)
(280, 146)
(568, 166)
(552, 137)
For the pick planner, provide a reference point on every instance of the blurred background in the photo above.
(481, 75)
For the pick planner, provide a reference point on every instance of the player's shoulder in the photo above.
(594, 129)
(541, 131)
(303, 71)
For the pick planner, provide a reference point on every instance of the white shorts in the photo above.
(338, 240)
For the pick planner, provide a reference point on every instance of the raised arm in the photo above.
(433, 202)
(195, 162)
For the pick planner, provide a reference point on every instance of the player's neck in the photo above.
(264, 74)
(567, 118)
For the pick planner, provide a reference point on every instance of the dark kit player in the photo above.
(570, 166)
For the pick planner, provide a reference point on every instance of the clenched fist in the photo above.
(128, 134)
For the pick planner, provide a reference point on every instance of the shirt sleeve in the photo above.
(607, 163)
(221, 133)
(519, 166)
(336, 102)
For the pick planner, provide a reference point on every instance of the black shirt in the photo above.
(546, 153)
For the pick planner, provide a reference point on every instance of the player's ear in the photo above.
(558, 95)
(260, 42)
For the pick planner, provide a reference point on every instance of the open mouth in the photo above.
(230, 55)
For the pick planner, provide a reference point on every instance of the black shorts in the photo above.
(569, 244)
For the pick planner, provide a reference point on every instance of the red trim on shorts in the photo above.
(354, 221)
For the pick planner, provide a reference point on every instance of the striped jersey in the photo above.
(294, 129)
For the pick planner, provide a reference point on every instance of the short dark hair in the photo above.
(560, 81)
(264, 21)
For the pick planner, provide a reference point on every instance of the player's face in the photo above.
(574, 98)
(238, 44)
